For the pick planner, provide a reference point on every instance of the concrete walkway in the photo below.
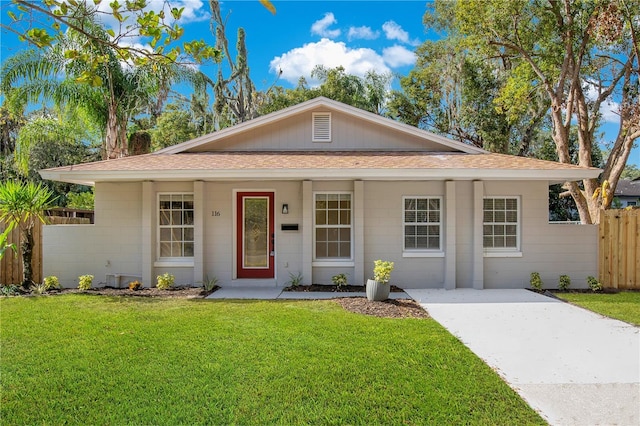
(573, 366)
(273, 293)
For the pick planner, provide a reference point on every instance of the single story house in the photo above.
(628, 192)
(319, 189)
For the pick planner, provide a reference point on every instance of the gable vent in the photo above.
(321, 127)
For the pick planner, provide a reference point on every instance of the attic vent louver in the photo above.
(321, 127)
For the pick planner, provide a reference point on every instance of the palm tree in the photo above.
(23, 205)
(116, 92)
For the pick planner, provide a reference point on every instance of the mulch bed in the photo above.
(173, 293)
(390, 308)
(335, 289)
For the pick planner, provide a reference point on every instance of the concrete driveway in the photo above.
(572, 366)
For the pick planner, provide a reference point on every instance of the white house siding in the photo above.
(384, 237)
(110, 246)
(547, 248)
(294, 133)
(123, 239)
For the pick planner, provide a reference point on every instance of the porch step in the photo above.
(251, 283)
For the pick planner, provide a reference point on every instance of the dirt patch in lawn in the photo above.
(390, 308)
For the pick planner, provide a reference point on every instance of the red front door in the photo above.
(255, 235)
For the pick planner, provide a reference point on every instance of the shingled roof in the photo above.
(628, 188)
(387, 165)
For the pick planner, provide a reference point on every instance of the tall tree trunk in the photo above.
(111, 142)
(26, 247)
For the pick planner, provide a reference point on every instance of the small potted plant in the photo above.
(378, 287)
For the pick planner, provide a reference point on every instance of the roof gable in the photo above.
(292, 129)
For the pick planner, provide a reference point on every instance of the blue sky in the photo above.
(359, 35)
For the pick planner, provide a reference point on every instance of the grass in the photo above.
(82, 359)
(624, 306)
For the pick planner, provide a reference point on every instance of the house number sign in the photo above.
(215, 213)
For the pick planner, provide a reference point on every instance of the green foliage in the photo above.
(51, 282)
(535, 281)
(85, 281)
(339, 280)
(39, 288)
(294, 279)
(159, 29)
(382, 270)
(81, 200)
(564, 282)
(368, 93)
(173, 126)
(208, 284)
(4, 236)
(24, 203)
(594, 284)
(9, 290)
(165, 281)
(135, 285)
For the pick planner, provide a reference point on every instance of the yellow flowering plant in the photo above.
(382, 270)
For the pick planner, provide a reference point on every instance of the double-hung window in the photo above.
(332, 226)
(501, 224)
(422, 222)
(175, 225)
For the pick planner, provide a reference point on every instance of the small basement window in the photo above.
(321, 127)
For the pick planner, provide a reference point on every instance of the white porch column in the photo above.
(358, 232)
(478, 250)
(198, 231)
(148, 221)
(450, 236)
(307, 231)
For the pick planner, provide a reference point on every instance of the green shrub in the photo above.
(208, 284)
(536, 281)
(51, 282)
(135, 285)
(9, 290)
(594, 284)
(564, 283)
(165, 281)
(85, 281)
(39, 288)
(339, 280)
(294, 280)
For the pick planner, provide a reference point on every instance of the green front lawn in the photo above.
(83, 359)
(624, 306)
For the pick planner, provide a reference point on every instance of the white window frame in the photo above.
(504, 251)
(422, 252)
(173, 260)
(331, 261)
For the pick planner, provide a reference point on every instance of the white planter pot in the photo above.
(377, 291)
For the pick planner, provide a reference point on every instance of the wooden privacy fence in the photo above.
(619, 249)
(11, 265)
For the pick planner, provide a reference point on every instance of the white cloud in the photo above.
(398, 56)
(393, 31)
(321, 26)
(362, 33)
(301, 60)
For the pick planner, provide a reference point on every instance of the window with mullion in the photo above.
(175, 225)
(332, 223)
(501, 225)
(422, 222)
